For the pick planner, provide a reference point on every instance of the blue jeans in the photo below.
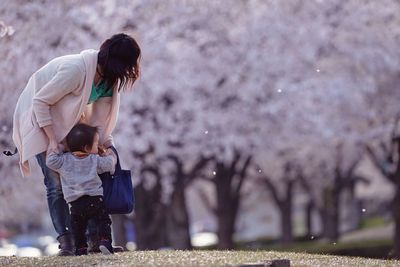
(58, 207)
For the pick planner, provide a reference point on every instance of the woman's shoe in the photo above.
(66, 245)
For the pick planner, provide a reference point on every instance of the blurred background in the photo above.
(256, 124)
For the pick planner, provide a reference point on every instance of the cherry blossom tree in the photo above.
(223, 92)
(299, 90)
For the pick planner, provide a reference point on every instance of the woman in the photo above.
(75, 88)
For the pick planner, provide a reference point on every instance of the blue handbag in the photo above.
(118, 190)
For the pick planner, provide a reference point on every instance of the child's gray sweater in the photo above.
(79, 175)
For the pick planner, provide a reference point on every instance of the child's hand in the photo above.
(53, 150)
(111, 152)
(61, 148)
(102, 151)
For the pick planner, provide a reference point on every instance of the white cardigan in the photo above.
(57, 94)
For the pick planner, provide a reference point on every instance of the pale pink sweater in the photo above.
(57, 94)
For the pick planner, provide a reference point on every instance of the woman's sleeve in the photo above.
(66, 80)
(108, 142)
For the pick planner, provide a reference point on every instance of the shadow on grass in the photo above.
(378, 249)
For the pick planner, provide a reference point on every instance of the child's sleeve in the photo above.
(106, 164)
(54, 161)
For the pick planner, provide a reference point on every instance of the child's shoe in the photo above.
(106, 247)
(117, 249)
(81, 251)
(94, 243)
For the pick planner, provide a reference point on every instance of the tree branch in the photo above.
(175, 160)
(387, 151)
(142, 155)
(242, 175)
(179, 175)
(266, 181)
(201, 163)
(393, 133)
(151, 169)
(235, 160)
(206, 178)
(361, 179)
(303, 182)
(395, 140)
(377, 163)
(206, 201)
(352, 167)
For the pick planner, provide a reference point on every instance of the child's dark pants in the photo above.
(83, 209)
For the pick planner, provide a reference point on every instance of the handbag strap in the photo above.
(118, 166)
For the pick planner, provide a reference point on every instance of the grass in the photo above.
(328, 248)
(372, 222)
(194, 258)
(376, 248)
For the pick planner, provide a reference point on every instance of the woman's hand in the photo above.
(53, 146)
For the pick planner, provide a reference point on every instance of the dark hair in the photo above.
(118, 59)
(80, 137)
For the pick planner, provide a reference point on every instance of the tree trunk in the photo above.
(396, 216)
(286, 207)
(118, 229)
(226, 208)
(332, 214)
(309, 224)
(141, 213)
(226, 225)
(228, 198)
(286, 225)
(149, 218)
(178, 220)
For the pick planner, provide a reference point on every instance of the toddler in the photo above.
(81, 184)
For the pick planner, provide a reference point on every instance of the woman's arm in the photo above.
(53, 145)
(67, 79)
